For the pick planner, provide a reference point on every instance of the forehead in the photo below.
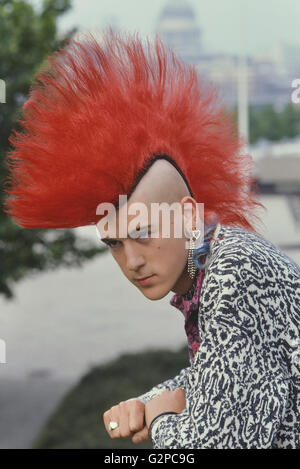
(134, 212)
(122, 222)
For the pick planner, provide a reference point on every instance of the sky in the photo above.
(263, 22)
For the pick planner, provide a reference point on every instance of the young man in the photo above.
(123, 118)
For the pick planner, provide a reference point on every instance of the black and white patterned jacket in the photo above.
(243, 386)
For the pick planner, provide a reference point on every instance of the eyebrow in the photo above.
(114, 239)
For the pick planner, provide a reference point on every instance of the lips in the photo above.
(144, 278)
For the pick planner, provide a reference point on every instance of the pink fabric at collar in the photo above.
(189, 309)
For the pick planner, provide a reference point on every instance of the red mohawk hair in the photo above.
(95, 117)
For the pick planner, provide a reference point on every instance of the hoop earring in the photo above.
(191, 266)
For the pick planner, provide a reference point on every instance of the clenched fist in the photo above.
(130, 415)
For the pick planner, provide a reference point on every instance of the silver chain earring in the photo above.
(191, 266)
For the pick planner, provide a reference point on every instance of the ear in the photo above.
(191, 215)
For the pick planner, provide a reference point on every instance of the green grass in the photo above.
(78, 419)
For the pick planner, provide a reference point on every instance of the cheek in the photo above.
(121, 263)
(172, 254)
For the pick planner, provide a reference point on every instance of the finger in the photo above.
(141, 435)
(106, 419)
(114, 416)
(136, 417)
(124, 420)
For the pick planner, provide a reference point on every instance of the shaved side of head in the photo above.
(161, 183)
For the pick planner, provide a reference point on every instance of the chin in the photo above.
(152, 294)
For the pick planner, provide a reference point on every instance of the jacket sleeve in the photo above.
(236, 394)
(178, 382)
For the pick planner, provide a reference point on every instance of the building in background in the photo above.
(178, 28)
(269, 78)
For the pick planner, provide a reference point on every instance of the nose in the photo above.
(134, 259)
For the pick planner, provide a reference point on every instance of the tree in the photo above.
(290, 121)
(27, 38)
(267, 123)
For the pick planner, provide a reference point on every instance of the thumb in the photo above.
(140, 436)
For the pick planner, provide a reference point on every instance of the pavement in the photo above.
(25, 406)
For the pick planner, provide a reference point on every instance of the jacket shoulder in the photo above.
(236, 247)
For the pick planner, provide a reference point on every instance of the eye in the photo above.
(111, 244)
(142, 235)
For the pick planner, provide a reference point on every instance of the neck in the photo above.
(183, 284)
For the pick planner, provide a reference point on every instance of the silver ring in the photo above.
(113, 425)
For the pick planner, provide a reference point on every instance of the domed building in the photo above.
(268, 79)
(177, 26)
